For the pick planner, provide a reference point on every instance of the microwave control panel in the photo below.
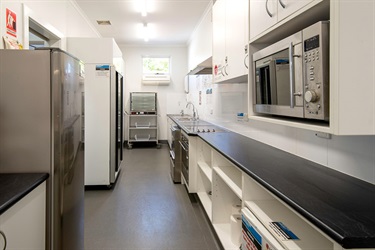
(315, 59)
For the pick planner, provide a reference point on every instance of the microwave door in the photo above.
(282, 82)
(266, 91)
(263, 82)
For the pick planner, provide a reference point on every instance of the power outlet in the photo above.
(323, 135)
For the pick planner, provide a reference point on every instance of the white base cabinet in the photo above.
(219, 188)
(24, 224)
(224, 190)
(191, 185)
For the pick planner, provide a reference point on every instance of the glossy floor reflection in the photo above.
(145, 210)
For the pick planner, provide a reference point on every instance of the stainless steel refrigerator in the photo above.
(40, 131)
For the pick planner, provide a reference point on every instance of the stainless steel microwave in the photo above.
(292, 75)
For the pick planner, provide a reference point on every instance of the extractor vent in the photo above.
(103, 22)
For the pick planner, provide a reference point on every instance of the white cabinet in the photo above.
(230, 38)
(226, 198)
(191, 182)
(224, 189)
(218, 37)
(170, 123)
(24, 224)
(260, 19)
(270, 210)
(266, 13)
(288, 7)
(351, 90)
(204, 176)
(219, 188)
(96, 50)
(200, 46)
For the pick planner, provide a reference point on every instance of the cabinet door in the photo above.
(24, 224)
(260, 18)
(218, 30)
(235, 35)
(169, 133)
(288, 7)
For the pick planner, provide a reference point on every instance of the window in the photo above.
(156, 65)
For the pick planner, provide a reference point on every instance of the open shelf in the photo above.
(206, 201)
(207, 170)
(223, 231)
(232, 177)
(142, 128)
(269, 212)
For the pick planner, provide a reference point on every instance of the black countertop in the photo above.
(341, 206)
(13, 187)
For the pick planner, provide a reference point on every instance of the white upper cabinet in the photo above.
(218, 45)
(287, 7)
(352, 78)
(200, 45)
(264, 14)
(230, 38)
(351, 59)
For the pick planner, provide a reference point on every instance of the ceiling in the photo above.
(170, 22)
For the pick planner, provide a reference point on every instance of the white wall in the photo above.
(171, 98)
(62, 17)
(353, 155)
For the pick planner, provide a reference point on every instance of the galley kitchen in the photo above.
(186, 124)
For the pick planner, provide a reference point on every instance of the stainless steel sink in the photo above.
(184, 119)
(193, 123)
(181, 118)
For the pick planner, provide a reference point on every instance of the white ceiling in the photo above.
(171, 22)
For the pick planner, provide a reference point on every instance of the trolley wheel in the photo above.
(158, 146)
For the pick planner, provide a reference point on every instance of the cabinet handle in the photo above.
(268, 12)
(244, 61)
(222, 71)
(5, 239)
(282, 4)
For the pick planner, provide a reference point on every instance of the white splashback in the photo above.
(353, 155)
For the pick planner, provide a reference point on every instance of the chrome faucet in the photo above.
(195, 111)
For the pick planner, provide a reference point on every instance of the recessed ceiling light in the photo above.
(103, 22)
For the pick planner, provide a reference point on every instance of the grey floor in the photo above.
(145, 209)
